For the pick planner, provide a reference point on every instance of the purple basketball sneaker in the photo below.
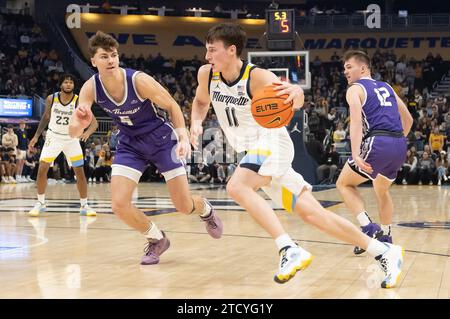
(385, 239)
(213, 224)
(372, 230)
(154, 249)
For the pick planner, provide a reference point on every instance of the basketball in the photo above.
(268, 109)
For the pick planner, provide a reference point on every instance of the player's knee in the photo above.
(341, 185)
(119, 206)
(233, 189)
(43, 171)
(382, 192)
(79, 172)
(308, 216)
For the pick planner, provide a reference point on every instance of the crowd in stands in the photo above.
(28, 65)
(256, 9)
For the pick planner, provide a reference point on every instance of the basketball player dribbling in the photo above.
(379, 123)
(59, 109)
(228, 82)
(145, 136)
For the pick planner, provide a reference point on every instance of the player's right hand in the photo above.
(83, 115)
(33, 142)
(195, 131)
(362, 164)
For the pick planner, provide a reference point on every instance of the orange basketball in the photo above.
(268, 109)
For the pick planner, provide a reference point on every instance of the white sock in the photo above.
(41, 198)
(284, 240)
(376, 248)
(386, 229)
(363, 218)
(206, 210)
(83, 201)
(153, 232)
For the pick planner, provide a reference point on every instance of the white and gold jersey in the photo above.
(61, 114)
(232, 104)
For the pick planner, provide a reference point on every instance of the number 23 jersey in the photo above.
(61, 114)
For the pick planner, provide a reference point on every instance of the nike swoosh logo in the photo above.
(275, 119)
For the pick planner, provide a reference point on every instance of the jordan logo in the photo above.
(295, 128)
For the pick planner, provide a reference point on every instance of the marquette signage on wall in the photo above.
(184, 37)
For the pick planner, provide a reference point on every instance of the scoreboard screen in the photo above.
(16, 107)
(280, 24)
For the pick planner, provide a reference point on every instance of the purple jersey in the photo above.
(380, 109)
(145, 136)
(134, 116)
(383, 146)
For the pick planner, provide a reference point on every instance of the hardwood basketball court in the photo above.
(64, 255)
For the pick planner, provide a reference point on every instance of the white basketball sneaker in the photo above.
(39, 208)
(87, 211)
(391, 263)
(292, 259)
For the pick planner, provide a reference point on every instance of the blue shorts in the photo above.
(386, 155)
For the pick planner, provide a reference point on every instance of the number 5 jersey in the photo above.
(134, 115)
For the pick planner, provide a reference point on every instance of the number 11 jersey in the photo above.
(232, 104)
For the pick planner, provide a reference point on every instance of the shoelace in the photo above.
(149, 245)
(383, 263)
(212, 223)
(283, 258)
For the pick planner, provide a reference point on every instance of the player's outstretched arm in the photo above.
(407, 120)
(200, 105)
(82, 116)
(45, 119)
(148, 88)
(354, 98)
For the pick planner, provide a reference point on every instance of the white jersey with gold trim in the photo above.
(232, 104)
(61, 114)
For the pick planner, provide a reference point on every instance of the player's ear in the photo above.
(93, 62)
(232, 49)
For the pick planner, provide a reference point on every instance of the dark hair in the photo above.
(360, 56)
(230, 34)
(10, 126)
(101, 40)
(66, 76)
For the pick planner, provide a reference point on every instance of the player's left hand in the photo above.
(183, 149)
(362, 164)
(295, 93)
